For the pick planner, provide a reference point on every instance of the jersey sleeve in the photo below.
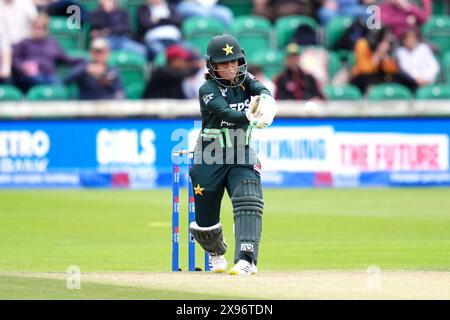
(256, 87)
(212, 101)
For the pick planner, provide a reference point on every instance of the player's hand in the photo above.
(261, 112)
(254, 106)
(257, 122)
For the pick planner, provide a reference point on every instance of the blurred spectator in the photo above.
(5, 59)
(416, 59)
(167, 81)
(113, 22)
(59, 8)
(351, 8)
(34, 59)
(205, 8)
(258, 73)
(158, 25)
(274, 9)
(374, 62)
(401, 15)
(16, 19)
(294, 83)
(192, 84)
(95, 79)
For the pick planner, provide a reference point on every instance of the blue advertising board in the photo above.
(136, 153)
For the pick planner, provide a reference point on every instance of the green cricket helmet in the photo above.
(223, 48)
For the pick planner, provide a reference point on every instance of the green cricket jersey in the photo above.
(223, 109)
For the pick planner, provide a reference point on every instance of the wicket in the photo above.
(176, 213)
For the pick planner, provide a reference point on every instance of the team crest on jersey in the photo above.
(223, 92)
(207, 98)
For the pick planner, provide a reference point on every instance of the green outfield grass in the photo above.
(100, 230)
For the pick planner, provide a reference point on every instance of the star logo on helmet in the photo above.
(228, 49)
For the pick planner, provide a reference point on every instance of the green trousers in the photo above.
(210, 181)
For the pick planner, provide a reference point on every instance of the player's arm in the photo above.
(263, 107)
(255, 87)
(213, 101)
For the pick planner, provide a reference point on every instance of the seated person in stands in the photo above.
(112, 22)
(96, 80)
(294, 83)
(274, 9)
(416, 59)
(350, 8)
(205, 8)
(167, 81)
(401, 15)
(158, 26)
(5, 60)
(375, 63)
(35, 59)
(60, 8)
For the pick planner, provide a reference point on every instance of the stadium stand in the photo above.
(47, 93)
(10, 93)
(392, 91)
(346, 92)
(198, 30)
(434, 92)
(264, 43)
(254, 33)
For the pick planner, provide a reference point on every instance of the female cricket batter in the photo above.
(223, 158)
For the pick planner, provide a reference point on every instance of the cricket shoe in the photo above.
(217, 264)
(243, 268)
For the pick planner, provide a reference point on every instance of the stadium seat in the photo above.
(239, 7)
(437, 31)
(79, 54)
(445, 67)
(391, 91)
(132, 66)
(68, 38)
(198, 31)
(135, 91)
(89, 5)
(334, 64)
(433, 92)
(286, 26)
(10, 93)
(47, 93)
(347, 92)
(160, 60)
(254, 32)
(131, 7)
(335, 29)
(271, 61)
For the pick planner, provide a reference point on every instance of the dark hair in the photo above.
(375, 36)
(415, 31)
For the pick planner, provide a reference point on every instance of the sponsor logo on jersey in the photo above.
(251, 76)
(223, 91)
(240, 106)
(226, 124)
(207, 98)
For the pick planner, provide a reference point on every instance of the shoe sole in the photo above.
(218, 271)
(236, 273)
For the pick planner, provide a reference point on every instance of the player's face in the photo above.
(227, 70)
